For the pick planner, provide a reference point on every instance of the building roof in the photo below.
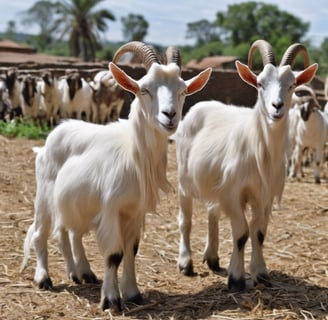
(12, 53)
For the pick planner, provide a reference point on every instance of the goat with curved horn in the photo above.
(228, 156)
(110, 196)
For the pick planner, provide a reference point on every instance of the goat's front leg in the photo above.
(110, 244)
(295, 162)
(258, 229)
(211, 251)
(240, 233)
(184, 219)
(318, 156)
(110, 294)
(129, 286)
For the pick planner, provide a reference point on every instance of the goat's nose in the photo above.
(277, 105)
(169, 114)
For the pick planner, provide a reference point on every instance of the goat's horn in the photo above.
(146, 53)
(310, 91)
(305, 88)
(172, 54)
(291, 53)
(266, 52)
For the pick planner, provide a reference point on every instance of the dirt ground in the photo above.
(296, 251)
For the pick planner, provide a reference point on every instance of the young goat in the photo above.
(49, 97)
(76, 96)
(107, 177)
(231, 156)
(108, 98)
(308, 129)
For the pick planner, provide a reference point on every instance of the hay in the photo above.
(296, 251)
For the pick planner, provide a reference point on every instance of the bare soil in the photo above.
(296, 251)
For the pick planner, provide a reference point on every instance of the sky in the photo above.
(168, 19)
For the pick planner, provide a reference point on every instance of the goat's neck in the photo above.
(271, 146)
(150, 150)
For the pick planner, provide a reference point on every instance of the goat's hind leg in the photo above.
(82, 266)
(40, 238)
(184, 219)
(211, 251)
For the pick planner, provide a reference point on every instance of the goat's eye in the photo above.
(145, 91)
(260, 85)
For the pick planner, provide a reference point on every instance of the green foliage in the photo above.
(320, 55)
(246, 22)
(257, 20)
(135, 27)
(203, 31)
(75, 20)
(18, 128)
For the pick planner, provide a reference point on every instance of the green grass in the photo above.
(19, 128)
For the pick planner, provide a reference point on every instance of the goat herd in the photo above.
(48, 99)
(107, 177)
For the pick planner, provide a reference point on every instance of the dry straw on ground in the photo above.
(296, 251)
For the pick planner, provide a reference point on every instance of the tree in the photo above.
(320, 55)
(80, 20)
(203, 31)
(135, 27)
(10, 30)
(77, 20)
(41, 13)
(248, 21)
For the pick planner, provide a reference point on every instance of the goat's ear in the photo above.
(246, 74)
(306, 75)
(123, 79)
(198, 82)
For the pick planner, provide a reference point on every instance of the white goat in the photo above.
(50, 99)
(108, 177)
(76, 96)
(231, 156)
(308, 129)
(108, 97)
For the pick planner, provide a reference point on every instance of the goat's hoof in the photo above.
(75, 279)
(187, 270)
(114, 305)
(236, 285)
(214, 265)
(89, 278)
(46, 284)
(137, 299)
(263, 279)
(317, 180)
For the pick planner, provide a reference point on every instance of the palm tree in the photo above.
(82, 23)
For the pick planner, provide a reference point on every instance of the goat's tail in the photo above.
(27, 246)
(36, 150)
